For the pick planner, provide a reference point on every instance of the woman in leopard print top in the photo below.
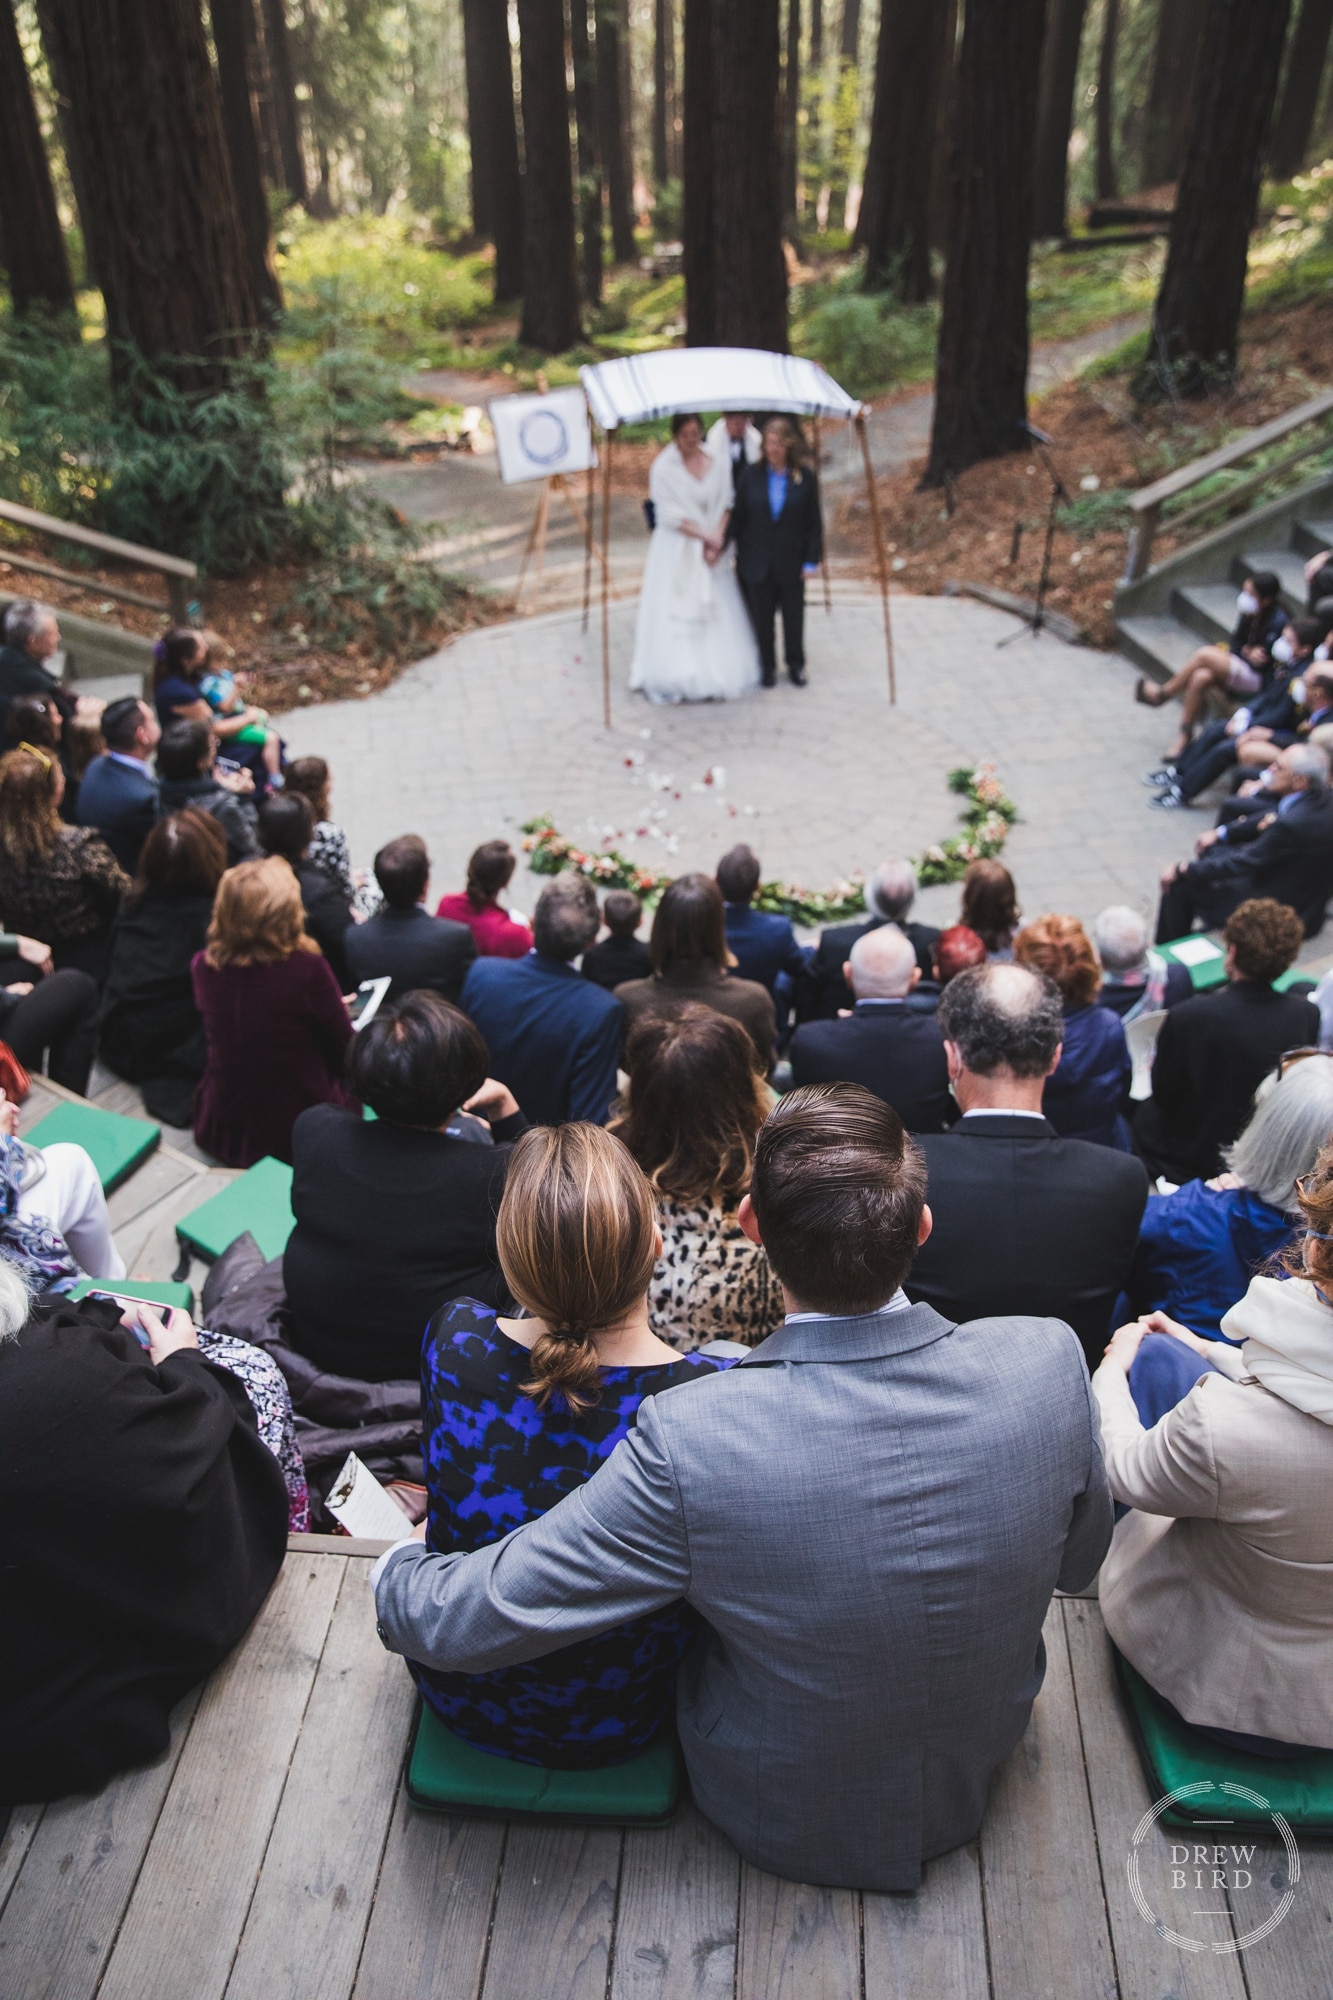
(58, 883)
(695, 1102)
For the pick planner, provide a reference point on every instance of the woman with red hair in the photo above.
(1087, 1095)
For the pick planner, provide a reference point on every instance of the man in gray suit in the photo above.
(870, 1513)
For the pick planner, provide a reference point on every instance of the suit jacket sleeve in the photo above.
(330, 1025)
(1167, 1470)
(1171, 1087)
(1093, 1518)
(615, 1549)
(592, 1079)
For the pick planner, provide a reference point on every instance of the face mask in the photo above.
(1321, 650)
(1247, 604)
(1283, 650)
(1297, 692)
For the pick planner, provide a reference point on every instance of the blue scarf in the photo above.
(31, 1242)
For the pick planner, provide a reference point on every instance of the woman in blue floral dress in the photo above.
(520, 1412)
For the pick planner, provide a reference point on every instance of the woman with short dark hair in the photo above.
(498, 932)
(397, 1215)
(691, 962)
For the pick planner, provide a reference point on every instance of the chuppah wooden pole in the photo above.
(590, 507)
(606, 576)
(881, 553)
(823, 543)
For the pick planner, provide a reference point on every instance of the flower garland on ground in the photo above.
(986, 823)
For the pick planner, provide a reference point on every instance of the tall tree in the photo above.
(615, 132)
(663, 28)
(939, 150)
(749, 268)
(282, 96)
(161, 217)
(585, 127)
(32, 247)
(845, 111)
(849, 43)
(240, 129)
(1170, 94)
(697, 176)
(893, 225)
(505, 178)
(1107, 188)
(1055, 113)
(1300, 92)
(480, 132)
(1196, 318)
(982, 361)
(550, 267)
(791, 125)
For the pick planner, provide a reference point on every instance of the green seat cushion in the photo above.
(1174, 1755)
(1203, 958)
(115, 1145)
(260, 1201)
(157, 1292)
(444, 1774)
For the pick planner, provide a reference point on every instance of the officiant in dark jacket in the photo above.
(778, 532)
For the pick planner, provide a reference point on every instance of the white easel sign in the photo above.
(541, 437)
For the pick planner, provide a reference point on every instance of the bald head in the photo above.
(883, 965)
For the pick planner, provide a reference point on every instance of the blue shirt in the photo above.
(777, 493)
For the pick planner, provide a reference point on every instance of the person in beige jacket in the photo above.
(1219, 1584)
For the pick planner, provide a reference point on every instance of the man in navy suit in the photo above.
(890, 1041)
(778, 533)
(554, 1038)
(417, 951)
(763, 946)
(890, 894)
(119, 794)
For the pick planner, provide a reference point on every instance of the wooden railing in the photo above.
(1147, 505)
(176, 572)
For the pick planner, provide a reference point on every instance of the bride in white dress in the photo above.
(694, 640)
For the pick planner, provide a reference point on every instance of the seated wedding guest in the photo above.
(1215, 1049)
(520, 1412)
(396, 1215)
(890, 893)
(889, 1042)
(54, 1226)
(186, 757)
(402, 938)
(990, 907)
(796, 1504)
(31, 638)
(150, 1030)
(285, 827)
(763, 946)
(1242, 667)
(137, 1553)
(1199, 1247)
(1299, 691)
(1219, 1584)
(688, 944)
(183, 671)
(553, 1037)
(51, 1014)
(1025, 1221)
(33, 721)
(1135, 980)
(251, 740)
(58, 883)
(498, 933)
(328, 850)
(274, 1021)
(1087, 1096)
(1285, 855)
(118, 792)
(954, 950)
(621, 955)
(690, 1115)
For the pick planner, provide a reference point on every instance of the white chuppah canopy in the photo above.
(638, 388)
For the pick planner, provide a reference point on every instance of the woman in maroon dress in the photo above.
(275, 1022)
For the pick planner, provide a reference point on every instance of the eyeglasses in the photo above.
(40, 755)
(1291, 1057)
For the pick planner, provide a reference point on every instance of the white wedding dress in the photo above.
(694, 640)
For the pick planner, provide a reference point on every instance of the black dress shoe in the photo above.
(797, 676)
(768, 680)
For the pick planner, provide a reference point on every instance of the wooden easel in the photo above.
(556, 483)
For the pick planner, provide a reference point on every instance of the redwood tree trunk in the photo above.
(697, 176)
(791, 105)
(1196, 320)
(894, 222)
(1055, 112)
(939, 151)
(1300, 93)
(32, 247)
(501, 156)
(982, 363)
(1106, 176)
(849, 45)
(282, 88)
(749, 268)
(550, 267)
(662, 28)
(1170, 95)
(240, 130)
(479, 129)
(168, 247)
(585, 125)
(613, 124)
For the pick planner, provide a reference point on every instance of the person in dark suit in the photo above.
(622, 955)
(1286, 856)
(890, 894)
(186, 760)
(119, 794)
(890, 1042)
(778, 533)
(554, 1038)
(1299, 693)
(32, 637)
(1025, 1222)
(403, 939)
(1133, 982)
(286, 827)
(763, 945)
(1216, 1049)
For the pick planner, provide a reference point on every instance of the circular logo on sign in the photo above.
(1221, 1884)
(543, 437)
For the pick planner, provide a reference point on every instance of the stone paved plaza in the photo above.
(507, 723)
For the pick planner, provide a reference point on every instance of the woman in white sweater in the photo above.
(1219, 1584)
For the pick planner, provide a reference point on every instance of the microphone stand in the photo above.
(1032, 628)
